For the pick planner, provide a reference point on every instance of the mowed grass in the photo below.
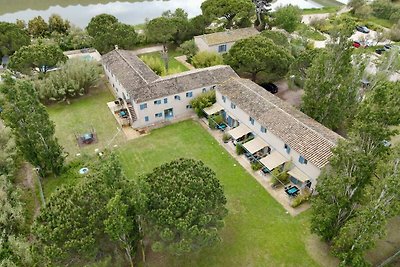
(80, 116)
(174, 66)
(258, 232)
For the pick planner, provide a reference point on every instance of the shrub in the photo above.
(203, 101)
(189, 48)
(226, 137)
(279, 178)
(74, 78)
(214, 121)
(395, 32)
(288, 17)
(255, 166)
(277, 37)
(207, 59)
(155, 64)
(239, 149)
(299, 199)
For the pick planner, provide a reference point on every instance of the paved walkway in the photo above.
(182, 59)
(150, 49)
(278, 194)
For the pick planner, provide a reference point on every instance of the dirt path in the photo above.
(182, 59)
(150, 49)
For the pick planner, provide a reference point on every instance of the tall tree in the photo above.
(31, 126)
(259, 54)
(344, 187)
(107, 32)
(77, 218)
(57, 24)
(41, 55)
(12, 38)
(263, 7)
(160, 30)
(75, 78)
(288, 17)
(38, 27)
(183, 206)
(332, 84)
(122, 222)
(369, 223)
(229, 9)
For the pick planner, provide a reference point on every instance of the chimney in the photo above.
(116, 47)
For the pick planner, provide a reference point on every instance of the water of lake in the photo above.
(79, 12)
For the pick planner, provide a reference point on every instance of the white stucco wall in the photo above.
(274, 141)
(203, 46)
(119, 90)
(179, 108)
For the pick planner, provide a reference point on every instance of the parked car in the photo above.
(356, 44)
(362, 29)
(270, 87)
(379, 51)
(387, 46)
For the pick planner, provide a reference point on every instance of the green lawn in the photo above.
(174, 66)
(80, 116)
(307, 31)
(258, 230)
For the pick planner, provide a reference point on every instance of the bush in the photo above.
(277, 37)
(74, 78)
(299, 199)
(189, 48)
(310, 33)
(214, 121)
(255, 166)
(288, 17)
(395, 32)
(383, 8)
(203, 101)
(279, 178)
(239, 149)
(226, 137)
(207, 59)
(155, 64)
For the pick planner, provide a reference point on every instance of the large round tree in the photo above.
(183, 206)
(229, 9)
(259, 54)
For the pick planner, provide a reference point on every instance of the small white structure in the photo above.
(85, 53)
(221, 42)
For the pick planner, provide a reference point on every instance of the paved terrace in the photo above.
(264, 180)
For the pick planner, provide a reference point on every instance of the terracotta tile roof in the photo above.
(142, 84)
(303, 134)
(228, 36)
(130, 71)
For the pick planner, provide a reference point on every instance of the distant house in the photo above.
(221, 42)
(85, 53)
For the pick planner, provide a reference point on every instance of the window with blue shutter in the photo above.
(177, 97)
(263, 129)
(158, 115)
(146, 118)
(143, 106)
(165, 100)
(157, 102)
(302, 160)
(233, 106)
(189, 94)
(251, 120)
(287, 148)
